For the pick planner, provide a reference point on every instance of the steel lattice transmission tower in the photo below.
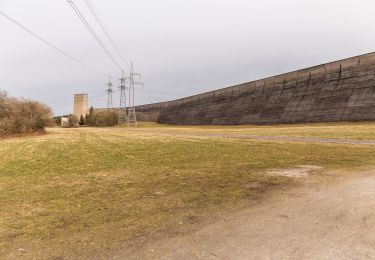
(134, 80)
(109, 94)
(122, 111)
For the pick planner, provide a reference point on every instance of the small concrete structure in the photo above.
(81, 107)
(64, 121)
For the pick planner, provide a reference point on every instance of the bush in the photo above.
(20, 116)
(57, 120)
(73, 120)
(4, 104)
(105, 118)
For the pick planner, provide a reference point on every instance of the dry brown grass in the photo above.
(83, 193)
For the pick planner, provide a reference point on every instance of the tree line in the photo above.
(93, 118)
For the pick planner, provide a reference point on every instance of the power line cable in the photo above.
(52, 46)
(92, 32)
(105, 30)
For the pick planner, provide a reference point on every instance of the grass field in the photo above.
(79, 193)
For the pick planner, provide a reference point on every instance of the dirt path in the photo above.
(334, 222)
(257, 137)
(296, 139)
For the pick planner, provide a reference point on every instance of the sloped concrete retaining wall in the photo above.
(338, 91)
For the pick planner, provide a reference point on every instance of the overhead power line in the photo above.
(105, 30)
(92, 32)
(52, 46)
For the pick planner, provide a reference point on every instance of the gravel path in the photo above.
(298, 139)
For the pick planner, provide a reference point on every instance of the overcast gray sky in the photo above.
(180, 47)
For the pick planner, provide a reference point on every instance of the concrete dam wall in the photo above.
(338, 91)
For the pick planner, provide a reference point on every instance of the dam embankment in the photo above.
(343, 90)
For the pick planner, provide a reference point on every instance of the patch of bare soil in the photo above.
(325, 222)
(299, 171)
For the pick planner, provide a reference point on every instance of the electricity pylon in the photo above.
(134, 80)
(109, 94)
(122, 112)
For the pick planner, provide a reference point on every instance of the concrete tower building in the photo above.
(81, 106)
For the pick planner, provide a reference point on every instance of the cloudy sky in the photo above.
(180, 47)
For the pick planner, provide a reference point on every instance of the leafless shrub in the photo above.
(106, 118)
(73, 120)
(20, 116)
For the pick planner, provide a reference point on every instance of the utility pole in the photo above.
(134, 80)
(122, 112)
(109, 94)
